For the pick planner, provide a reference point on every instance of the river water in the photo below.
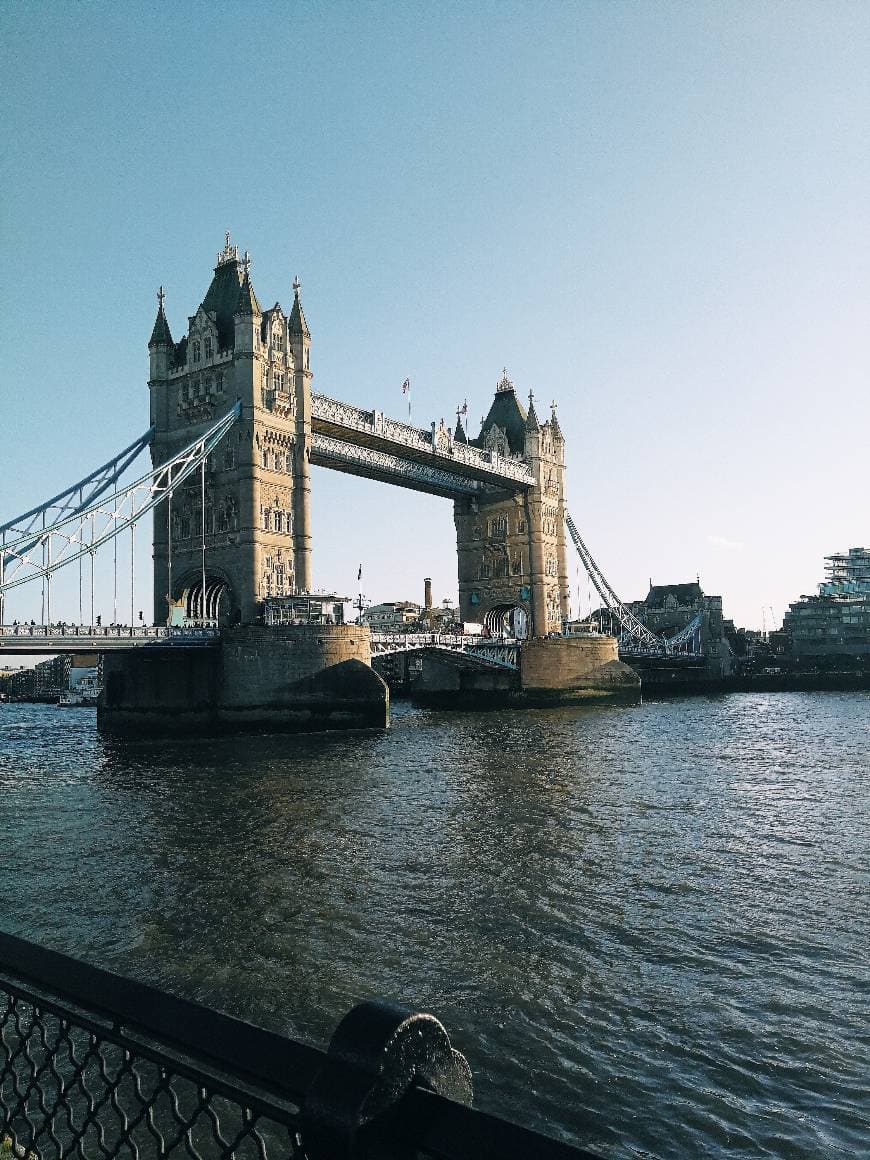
(645, 926)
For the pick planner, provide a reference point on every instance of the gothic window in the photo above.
(264, 458)
(264, 517)
(289, 516)
(277, 343)
(209, 519)
(498, 527)
(521, 525)
(231, 512)
(185, 527)
(196, 351)
(222, 518)
(279, 521)
(485, 571)
(517, 567)
(229, 457)
(209, 385)
(220, 383)
(208, 346)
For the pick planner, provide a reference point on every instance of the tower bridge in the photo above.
(235, 429)
(253, 510)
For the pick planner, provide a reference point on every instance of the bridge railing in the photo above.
(503, 651)
(402, 641)
(376, 423)
(92, 1064)
(110, 631)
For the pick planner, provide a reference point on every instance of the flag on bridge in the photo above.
(359, 574)
(406, 390)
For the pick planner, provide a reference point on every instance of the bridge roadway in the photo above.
(35, 639)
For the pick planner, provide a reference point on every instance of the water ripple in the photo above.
(646, 927)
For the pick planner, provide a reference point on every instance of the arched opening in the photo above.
(507, 620)
(218, 607)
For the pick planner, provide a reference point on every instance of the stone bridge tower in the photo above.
(513, 565)
(254, 531)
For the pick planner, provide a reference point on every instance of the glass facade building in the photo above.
(837, 621)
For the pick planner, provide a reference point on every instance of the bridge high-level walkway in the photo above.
(369, 443)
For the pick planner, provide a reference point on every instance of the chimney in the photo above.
(427, 594)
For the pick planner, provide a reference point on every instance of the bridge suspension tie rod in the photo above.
(127, 505)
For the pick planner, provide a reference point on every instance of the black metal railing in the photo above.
(96, 1066)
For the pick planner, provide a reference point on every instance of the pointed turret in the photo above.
(247, 306)
(160, 335)
(296, 323)
(247, 314)
(532, 423)
(459, 435)
(161, 348)
(555, 429)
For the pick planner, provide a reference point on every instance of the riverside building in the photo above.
(837, 621)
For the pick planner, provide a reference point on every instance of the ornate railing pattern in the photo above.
(94, 1065)
(102, 638)
(504, 653)
(436, 442)
(326, 450)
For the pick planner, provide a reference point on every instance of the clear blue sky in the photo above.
(654, 213)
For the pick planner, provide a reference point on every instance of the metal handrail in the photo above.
(87, 1056)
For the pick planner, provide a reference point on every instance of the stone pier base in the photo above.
(552, 671)
(575, 668)
(288, 678)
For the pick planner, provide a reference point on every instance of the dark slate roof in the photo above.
(222, 299)
(684, 594)
(459, 434)
(296, 323)
(181, 352)
(247, 304)
(160, 335)
(508, 413)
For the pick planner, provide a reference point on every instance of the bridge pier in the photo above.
(286, 678)
(553, 671)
